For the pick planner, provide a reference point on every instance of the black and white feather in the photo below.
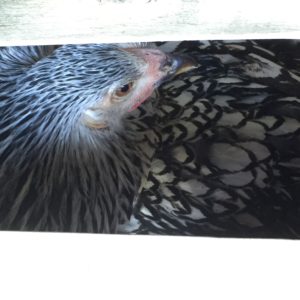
(223, 141)
(228, 163)
(55, 173)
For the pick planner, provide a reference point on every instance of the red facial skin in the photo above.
(153, 73)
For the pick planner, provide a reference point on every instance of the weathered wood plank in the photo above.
(77, 21)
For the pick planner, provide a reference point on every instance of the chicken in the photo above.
(68, 157)
(228, 162)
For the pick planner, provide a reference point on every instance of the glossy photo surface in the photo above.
(197, 138)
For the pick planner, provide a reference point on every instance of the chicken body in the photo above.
(226, 140)
(229, 159)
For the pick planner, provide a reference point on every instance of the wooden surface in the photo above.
(78, 21)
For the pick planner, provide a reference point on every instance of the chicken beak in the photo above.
(176, 64)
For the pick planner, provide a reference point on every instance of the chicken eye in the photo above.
(124, 90)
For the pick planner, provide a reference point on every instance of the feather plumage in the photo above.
(57, 174)
(228, 161)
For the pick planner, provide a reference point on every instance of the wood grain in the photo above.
(82, 21)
